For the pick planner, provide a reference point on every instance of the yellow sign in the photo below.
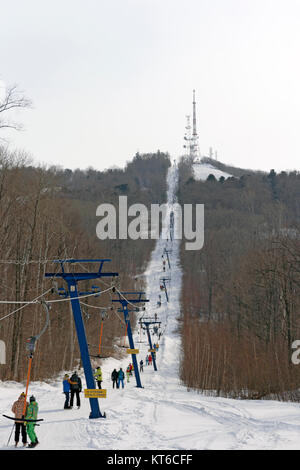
(95, 393)
(151, 350)
(133, 351)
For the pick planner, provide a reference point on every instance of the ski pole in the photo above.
(10, 435)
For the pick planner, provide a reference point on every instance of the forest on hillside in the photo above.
(50, 213)
(241, 292)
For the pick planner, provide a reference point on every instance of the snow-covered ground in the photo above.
(163, 415)
(202, 170)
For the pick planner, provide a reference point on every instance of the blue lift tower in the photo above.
(146, 323)
(163, 285)
(72, 278)
(135, 298)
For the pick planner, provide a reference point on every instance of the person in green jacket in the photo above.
(98, 376)
(31, 413)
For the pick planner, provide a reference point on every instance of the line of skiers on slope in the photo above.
(72, 386)
(118, 376)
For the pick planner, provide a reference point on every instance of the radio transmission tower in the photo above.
(195, 146)
(191, 139)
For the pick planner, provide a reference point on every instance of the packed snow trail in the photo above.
(163, 415)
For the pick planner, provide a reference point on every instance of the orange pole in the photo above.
(27, 384)
(125, 334)
(101, 330)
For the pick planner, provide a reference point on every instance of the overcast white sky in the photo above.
(109, 78)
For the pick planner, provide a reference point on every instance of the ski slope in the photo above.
(163, 415)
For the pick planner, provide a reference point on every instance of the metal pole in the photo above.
(166, 292)
(10, 434)
(89, 377)
(131, 344)
(150, 345)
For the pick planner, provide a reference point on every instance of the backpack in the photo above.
(77, 385)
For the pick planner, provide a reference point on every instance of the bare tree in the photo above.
(12, 100)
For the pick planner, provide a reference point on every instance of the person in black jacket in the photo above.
(76, 388)
(114, 378)
(121, 376)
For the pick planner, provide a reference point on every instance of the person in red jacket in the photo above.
(150, 359)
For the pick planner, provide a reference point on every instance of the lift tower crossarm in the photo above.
(85, 275)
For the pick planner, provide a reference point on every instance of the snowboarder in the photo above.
(66, 391)
(130, 368)
(76, 388)
(98, 376)
(128, 373)
(121, 378)
(141, 365)
(31, 413)
(18, 410)
(114, 378)
(147, 360)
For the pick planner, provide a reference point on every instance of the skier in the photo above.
(18, 409)
(121, 378)
(114, 378)
(128, 373)
(31, 413)
(98, 376)
(66, 391)
(75, 389)
(150, 359)
(141, 365)
(147, 360)
(130, 368)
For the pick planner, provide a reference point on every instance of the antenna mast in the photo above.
(194, 144)
(188, 137)
(191, 136)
